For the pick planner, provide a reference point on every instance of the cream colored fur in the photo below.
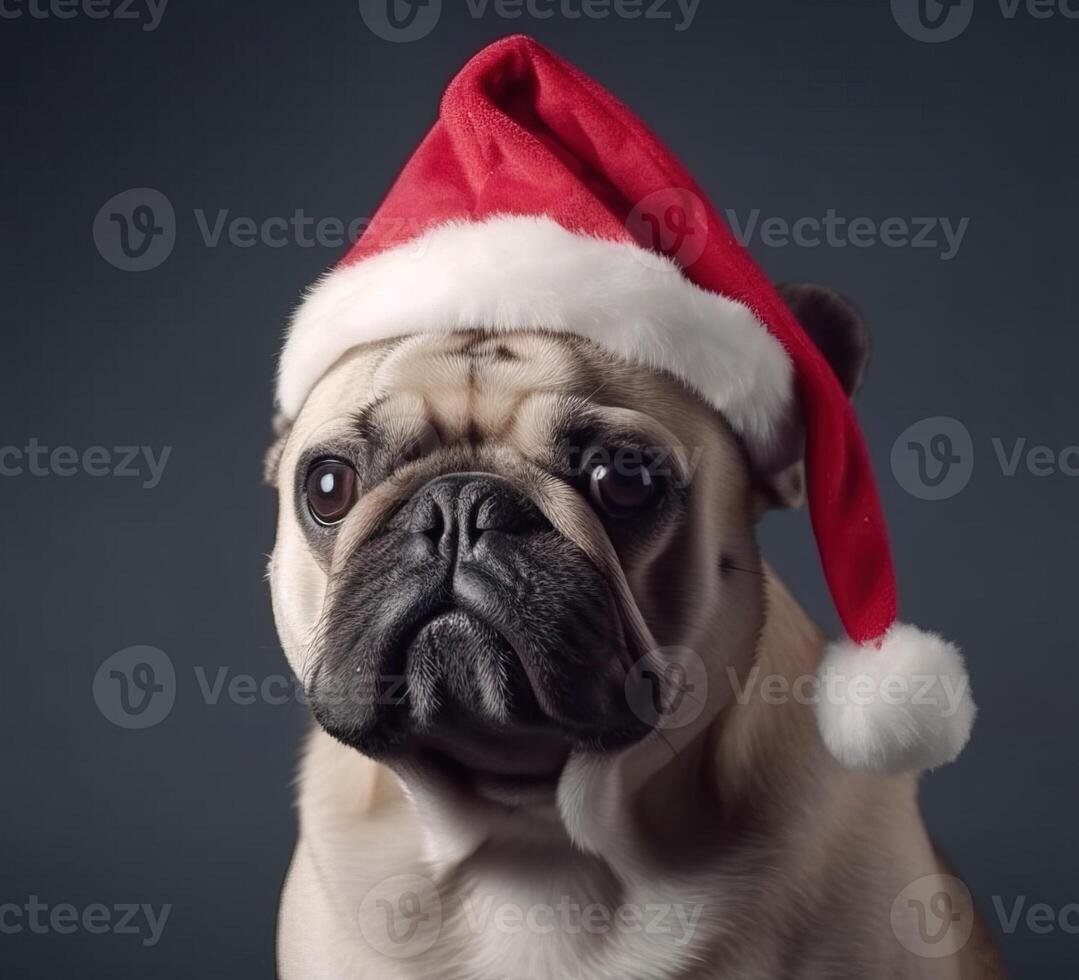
(740, 846)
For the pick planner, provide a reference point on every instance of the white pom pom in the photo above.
(900, 707)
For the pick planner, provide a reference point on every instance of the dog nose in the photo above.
(455, 513)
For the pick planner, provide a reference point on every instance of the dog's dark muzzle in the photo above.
(469, 620)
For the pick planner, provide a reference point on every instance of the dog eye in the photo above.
(331, 490)
(620, 485)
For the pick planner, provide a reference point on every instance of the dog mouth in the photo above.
(458, 664)
(468, 704)
(501, 749)
(510, 768)
(488, 654)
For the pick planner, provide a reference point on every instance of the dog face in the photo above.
(499, 552)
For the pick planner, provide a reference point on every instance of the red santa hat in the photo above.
(527, 205)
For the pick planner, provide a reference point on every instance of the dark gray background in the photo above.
(266, 107)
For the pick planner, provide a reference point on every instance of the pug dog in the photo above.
(519, 579)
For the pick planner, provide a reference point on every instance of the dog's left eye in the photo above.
(331, 490)
(620, 487)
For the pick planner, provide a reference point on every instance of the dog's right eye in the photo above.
(622, 483)
(331, 490)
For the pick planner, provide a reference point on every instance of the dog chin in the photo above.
(507, 768)
(471, 716)
(477, 747)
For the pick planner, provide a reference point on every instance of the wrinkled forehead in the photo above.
(470, 378)
(475, 386)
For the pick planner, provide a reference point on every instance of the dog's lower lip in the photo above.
(539, 763)
(505, 789)
(507, 766)
(546, 777)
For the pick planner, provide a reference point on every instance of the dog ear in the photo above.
(835, 326)
(839, 332)
(281, 428)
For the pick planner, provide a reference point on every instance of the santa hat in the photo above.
(539, 201)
